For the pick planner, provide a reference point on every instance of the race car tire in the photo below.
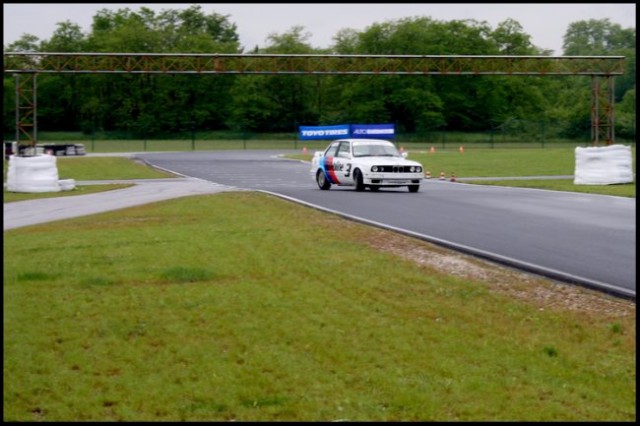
(357, 177)
(322, 181)
(414, 188)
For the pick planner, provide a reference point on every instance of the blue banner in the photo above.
(324, 132)
(375, 131)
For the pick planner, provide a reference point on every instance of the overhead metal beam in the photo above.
(598, 67)
(192, 63)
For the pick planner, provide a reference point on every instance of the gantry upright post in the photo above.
(26, 108)
(602, 110)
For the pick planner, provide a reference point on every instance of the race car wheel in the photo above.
(322, 181)
(357, 177)
(414, 188)
(374, 188)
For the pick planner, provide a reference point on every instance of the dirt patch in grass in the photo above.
(542, 292)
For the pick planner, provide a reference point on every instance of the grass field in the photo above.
(242, 306)
(201, 309)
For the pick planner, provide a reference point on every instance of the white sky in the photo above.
(546, 23)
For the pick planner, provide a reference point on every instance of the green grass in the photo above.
(105, 168)
(619, 190)
(498, 162)
(241, 306)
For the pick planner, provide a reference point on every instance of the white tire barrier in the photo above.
(38, 173)
(603, 165)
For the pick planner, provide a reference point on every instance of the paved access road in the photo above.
(142, 191)
(587, 239)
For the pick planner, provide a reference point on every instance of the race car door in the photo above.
(342, 163)
(326, 163)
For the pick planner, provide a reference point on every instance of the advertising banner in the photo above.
(324, 132)
(374, 131)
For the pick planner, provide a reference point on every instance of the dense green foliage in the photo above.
(152, 105)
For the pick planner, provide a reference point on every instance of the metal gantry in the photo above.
(26, 98)
(602, 69)
(602, 116)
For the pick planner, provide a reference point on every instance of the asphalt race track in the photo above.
(586, 239)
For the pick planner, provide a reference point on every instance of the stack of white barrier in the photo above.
(37, 173)
(603, 165)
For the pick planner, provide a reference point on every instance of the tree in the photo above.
(153, 104)
(511, 39)
(626, 116)
(460, 102)
(68, 37)
(346, 41)
(277, 102)
(601, 37)
(26, 43)
(596, 37)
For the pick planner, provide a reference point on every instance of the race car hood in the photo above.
(387, 161)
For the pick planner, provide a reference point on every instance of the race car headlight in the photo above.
(418, 169)
(412, 169)
(374, 168)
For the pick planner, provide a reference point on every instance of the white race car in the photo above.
(365, 163)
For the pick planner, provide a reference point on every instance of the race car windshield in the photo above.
(375, 150)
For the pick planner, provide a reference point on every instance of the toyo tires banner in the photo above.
(375, 131)
(324, 132)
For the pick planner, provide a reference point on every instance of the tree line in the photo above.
(146, 104)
